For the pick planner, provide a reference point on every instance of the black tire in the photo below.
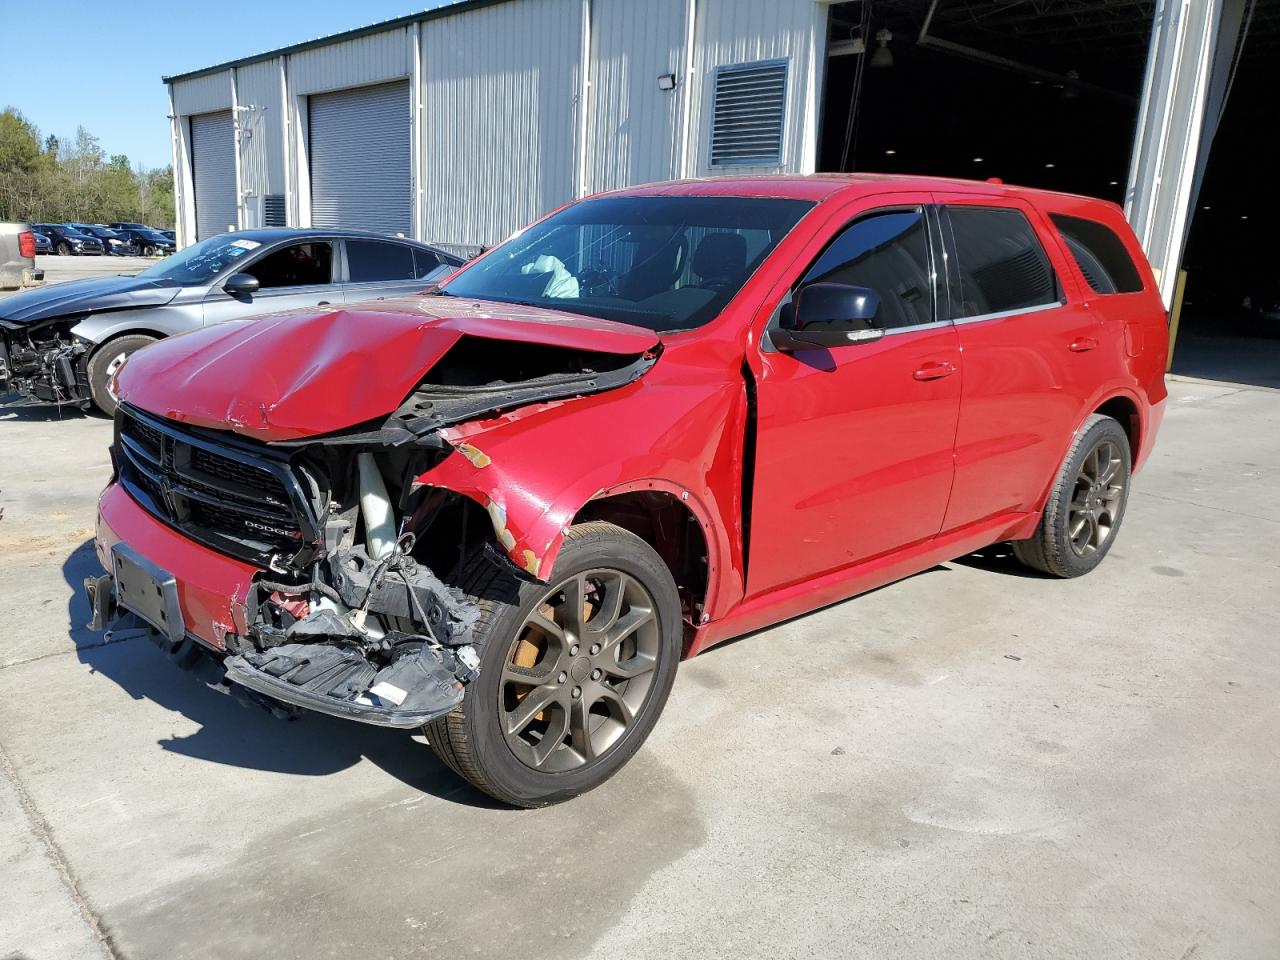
(470, 740)
(1052, 549)
(101, 363)
(64, 249)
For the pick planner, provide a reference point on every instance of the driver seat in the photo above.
(720, 260)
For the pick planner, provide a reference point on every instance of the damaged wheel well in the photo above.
(667, 524)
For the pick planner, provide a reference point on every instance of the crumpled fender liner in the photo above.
(341, 682)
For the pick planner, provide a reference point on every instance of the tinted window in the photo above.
(889, 253)
(1002, 265)
(427, 266)
(369, 261)
(666, 263)
(297, 265)
(1100, 254)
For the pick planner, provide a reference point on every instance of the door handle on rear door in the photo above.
(1081, 344)
(934, 370)
(323, 303)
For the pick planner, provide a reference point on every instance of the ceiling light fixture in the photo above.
(845, 48)
(890, 153)
(883, 57)
(977, 159)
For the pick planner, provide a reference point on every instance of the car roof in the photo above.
(821, 186)
(274, 234)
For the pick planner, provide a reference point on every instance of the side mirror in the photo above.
(830, 315)
(241, 285)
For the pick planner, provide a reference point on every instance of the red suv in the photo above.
(656, 419)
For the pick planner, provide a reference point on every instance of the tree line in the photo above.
(51, 181)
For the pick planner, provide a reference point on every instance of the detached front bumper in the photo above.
(190, 599)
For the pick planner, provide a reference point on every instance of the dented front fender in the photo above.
(534, 469)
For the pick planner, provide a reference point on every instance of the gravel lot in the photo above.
(971, 763)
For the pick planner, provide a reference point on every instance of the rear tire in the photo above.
(103, 364)
(1086, 503)
(591, 720)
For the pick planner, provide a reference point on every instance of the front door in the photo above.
(295, 275)
(854, 443)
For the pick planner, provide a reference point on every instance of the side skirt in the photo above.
(807, 596)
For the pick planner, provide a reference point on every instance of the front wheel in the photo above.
(104, 363)
(1085, 505)
(64, 249)
(573, 674)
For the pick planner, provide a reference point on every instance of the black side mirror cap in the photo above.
(241, 285)
(830, 315)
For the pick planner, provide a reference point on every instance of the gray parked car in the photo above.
(64, 343)
(18, 249)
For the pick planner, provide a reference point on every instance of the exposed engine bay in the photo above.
(355, 614)
(45, 361)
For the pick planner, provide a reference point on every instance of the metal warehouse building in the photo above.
(460, 124)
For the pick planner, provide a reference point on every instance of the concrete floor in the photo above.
(971, 763)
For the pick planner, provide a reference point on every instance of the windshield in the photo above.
(666, 263)
(201, 262)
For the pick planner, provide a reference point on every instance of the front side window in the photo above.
(888, 253)
(1002, 265)
(1099, 253)
(297, 265)
(666, 263)
(369, 261)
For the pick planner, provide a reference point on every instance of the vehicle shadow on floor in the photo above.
(14, 408)
(244, 735)
(999, 558)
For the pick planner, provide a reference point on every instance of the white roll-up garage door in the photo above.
(213, 172)
(359, 145)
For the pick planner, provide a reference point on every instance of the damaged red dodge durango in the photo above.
(656, 419)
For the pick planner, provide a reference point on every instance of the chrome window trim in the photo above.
(1001, 314)
(889, 332)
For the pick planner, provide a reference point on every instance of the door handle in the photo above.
(1081, 344)
(323, 303)
(935, 370)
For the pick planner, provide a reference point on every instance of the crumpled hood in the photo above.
(302, 374)
(84, 296)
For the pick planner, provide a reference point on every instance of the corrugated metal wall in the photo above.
(633, 135)
(262, 149)
(352, 63)
(203, 94)
(500, 138)
(500, 117)
(742, 31)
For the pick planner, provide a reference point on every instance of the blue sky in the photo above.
(98, 64)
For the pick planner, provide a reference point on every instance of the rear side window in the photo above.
(1099, 254)
(888, 252)
(427, 266)
(369, 261)
(1002, 265)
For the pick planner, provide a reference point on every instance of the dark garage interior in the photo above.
(1046, 93)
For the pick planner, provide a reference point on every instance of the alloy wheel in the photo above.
(1096, 500)
(579, 670)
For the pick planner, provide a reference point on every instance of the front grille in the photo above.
(240, 498)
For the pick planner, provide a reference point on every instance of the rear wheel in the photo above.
(1085, 506)
(104, 363)
(573, 674)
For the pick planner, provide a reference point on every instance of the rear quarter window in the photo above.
(1099, 253)
(1002, 266)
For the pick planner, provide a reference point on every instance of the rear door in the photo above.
(854, 443)
(299, 274)
(1031, 354)
(378, 269)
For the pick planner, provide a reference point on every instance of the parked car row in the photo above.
(96, 239)
(504, 509)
